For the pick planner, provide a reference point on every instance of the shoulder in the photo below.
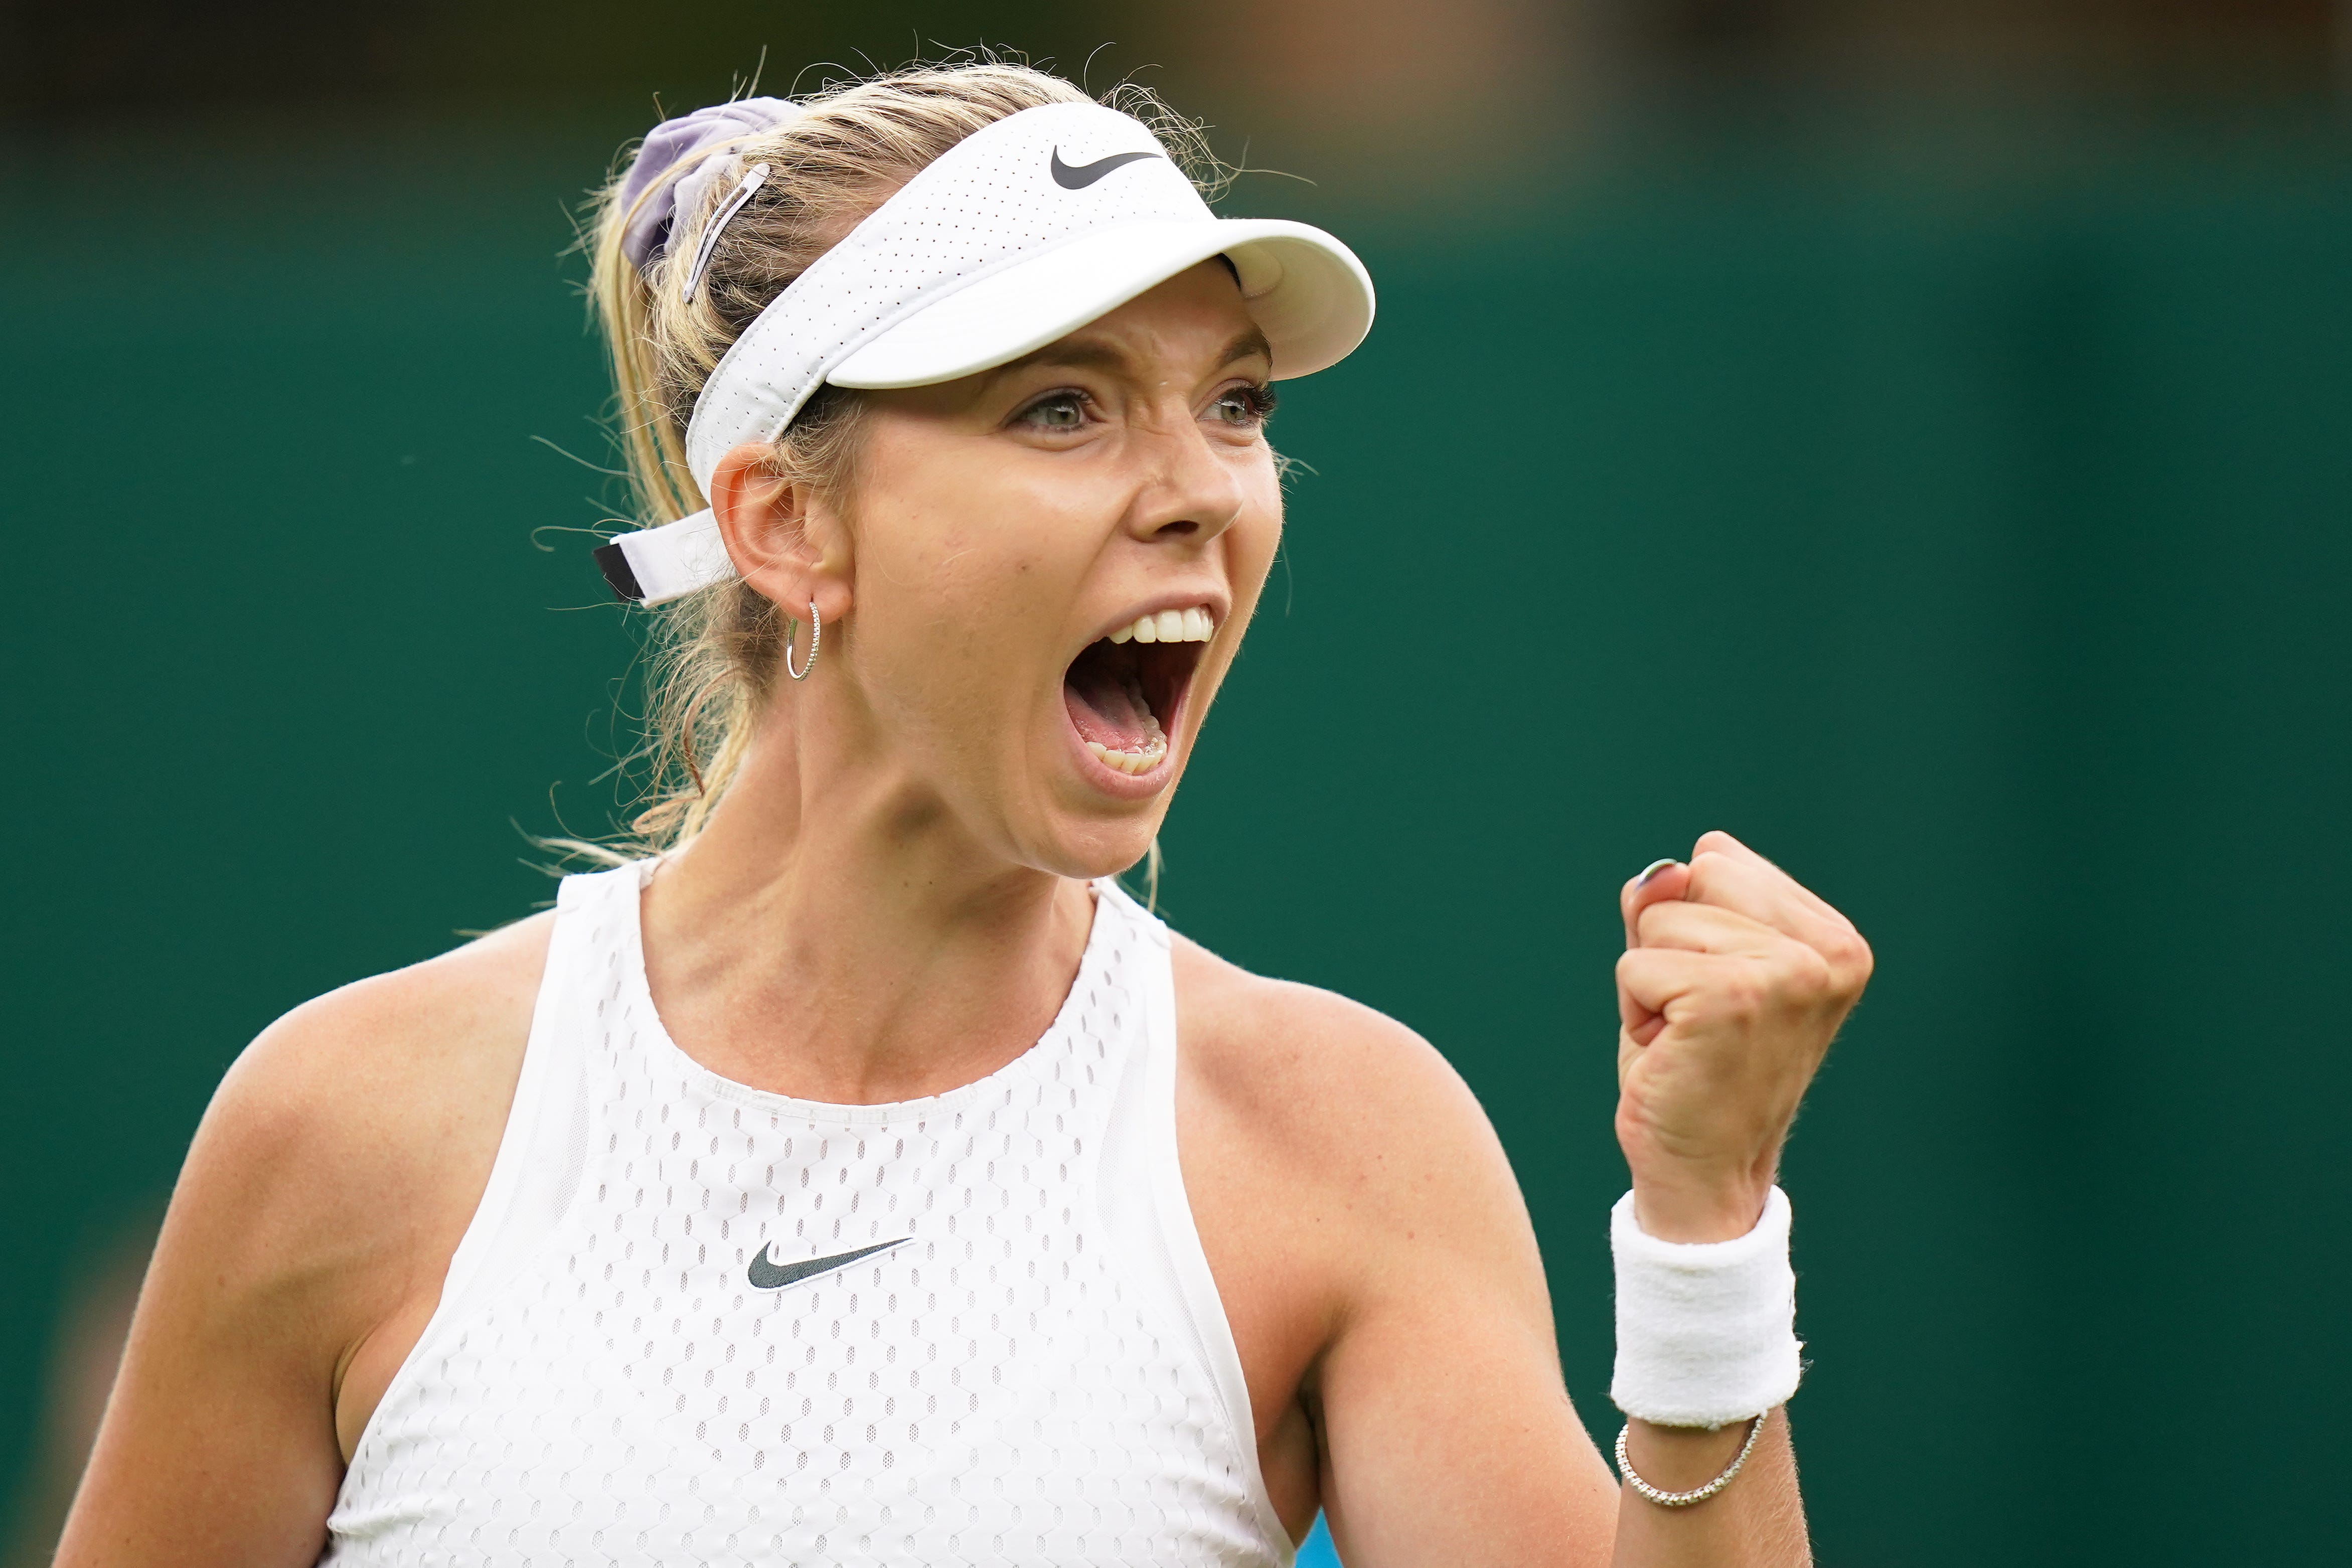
(326, 1188)
(1330, 1072)
(353, 1138)
(1362, 1125)
(383, 1068)
(1377, 1266)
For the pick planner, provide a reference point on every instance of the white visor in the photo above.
(1020, 234)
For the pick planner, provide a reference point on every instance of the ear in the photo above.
(785, 541)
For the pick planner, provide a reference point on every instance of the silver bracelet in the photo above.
(1698, 1494)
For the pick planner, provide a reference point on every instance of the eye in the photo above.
(1244, 408)
(1064, 410)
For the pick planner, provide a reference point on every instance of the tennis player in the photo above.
(856, 1174)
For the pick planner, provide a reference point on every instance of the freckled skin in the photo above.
(891, 902)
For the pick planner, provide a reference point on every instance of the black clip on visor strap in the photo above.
(614, 562)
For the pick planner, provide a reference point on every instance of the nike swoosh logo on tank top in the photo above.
(765, 1274)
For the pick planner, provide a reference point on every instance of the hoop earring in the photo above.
(816, 634)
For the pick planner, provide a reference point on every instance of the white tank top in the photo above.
(695, 1322)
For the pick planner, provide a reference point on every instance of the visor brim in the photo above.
(1304, 289)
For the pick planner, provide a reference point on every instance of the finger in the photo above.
(1722, 842)
(1660, 880)
(1642, 1022)
(1750, 886)
(1636, 1020)
(1717, 841)
(1705, 928)
(1653, 978)
(1660, 883)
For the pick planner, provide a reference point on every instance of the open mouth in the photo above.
(1125, 691)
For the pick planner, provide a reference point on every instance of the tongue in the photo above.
(1104, 705)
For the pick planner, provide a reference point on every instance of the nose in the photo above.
(1189, 490)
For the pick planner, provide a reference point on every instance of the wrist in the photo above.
(1699, 1210)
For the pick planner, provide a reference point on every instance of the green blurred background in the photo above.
(1912, 438)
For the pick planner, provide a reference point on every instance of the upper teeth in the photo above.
(1195, 624)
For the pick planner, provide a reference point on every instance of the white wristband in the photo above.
(1705, 1330)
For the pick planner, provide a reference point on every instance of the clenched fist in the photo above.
(1733, 980)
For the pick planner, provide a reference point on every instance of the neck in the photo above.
(834, 933)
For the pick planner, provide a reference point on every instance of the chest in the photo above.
(689, 1316)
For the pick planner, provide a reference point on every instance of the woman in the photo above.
(859, 1175)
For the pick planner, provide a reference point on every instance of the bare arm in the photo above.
(1734, 981)
(218, 1443)
(1383, 1283)
(1446, 1434)
(304, 1248)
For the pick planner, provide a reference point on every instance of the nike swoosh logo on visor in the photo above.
(766, 1275)
(1085, 174)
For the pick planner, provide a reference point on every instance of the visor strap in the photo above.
(743, 193)
(655, 565)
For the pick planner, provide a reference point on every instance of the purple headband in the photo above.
(672, 142)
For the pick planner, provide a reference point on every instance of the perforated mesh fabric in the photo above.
(990, 199)
(1010, 1386)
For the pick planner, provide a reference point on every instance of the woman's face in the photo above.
(1051, 564)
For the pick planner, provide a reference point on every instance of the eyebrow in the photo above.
(1094, 353)
(1250, 344)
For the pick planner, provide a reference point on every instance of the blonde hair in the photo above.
(712, 656)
